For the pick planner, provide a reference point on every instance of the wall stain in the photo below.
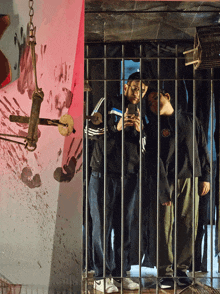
(67, 172)
(30, 180)
(25, 81)
(63, 100)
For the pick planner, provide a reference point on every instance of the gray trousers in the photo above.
(184, 222)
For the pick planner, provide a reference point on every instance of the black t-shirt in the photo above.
(165, 133)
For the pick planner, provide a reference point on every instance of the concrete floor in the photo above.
(149, 286)
(149, 280)
(208, 278)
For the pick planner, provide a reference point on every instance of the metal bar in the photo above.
(158, 167)
(144, 41)
(140, 177)
(105, 166)
(176, 170)
(122, 173)
(193, 180)
(14, 136)
(134, 58)
(211, 179)
(217, 169)
(87, 176)
(146, 12)
(32, 136)
(41, 121)
(12, 141)
(162, 79)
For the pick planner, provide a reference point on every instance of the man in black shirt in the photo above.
(185, 174)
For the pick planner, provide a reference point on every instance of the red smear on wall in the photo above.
(77, 89)
(6, 81)
(76, 108)
(73, 144)
(5, 74)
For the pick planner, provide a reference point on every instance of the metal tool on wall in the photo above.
(65, 123)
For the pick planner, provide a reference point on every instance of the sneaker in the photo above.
(128, 284)
(166, 283)
(183, 279)
(106, 286)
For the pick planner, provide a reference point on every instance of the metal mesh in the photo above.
(199, 288)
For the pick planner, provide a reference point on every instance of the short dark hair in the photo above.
(161, 91)
(150, 90)
(140, 76)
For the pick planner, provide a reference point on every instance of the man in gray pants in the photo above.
(186, 156)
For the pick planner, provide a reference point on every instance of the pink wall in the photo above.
(41, 202)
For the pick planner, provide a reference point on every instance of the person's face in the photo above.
(132, 91)
(165, 105)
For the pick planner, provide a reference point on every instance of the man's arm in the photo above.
(204, 180)
(150, 166)
(96, 127)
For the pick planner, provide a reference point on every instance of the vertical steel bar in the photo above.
(211, 178)
(87, 176)
(218, 175)
(158, 164)
(140, 176)
(105, 164)
(193, 180)
(217, 107)
(176, 170)
(122, 172)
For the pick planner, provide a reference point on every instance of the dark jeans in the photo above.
(113, 221)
